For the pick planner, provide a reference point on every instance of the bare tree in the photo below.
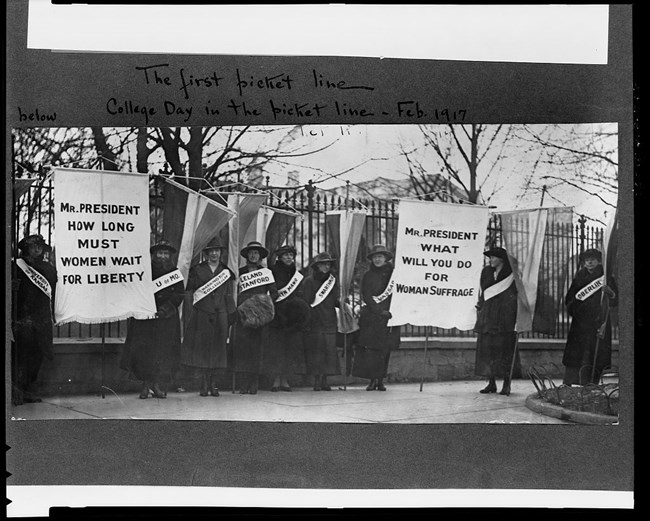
(467, 158)
(225, 154)
(580, 158)
(474, 163)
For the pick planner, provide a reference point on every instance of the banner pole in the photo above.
(426, 346)
(514, 355)
(103, 333)
(593, 365)
(231, 342)
(345, 361)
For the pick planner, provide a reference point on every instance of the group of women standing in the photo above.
(276, 322)
(588, 349)
(267, 321)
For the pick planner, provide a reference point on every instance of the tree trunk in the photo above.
(195, 157)
(108, 158)
(142, 151)
(171, 144)
(473, 194)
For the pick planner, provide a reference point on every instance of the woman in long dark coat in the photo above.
(376, 339)
(213, 310)
(152, 347)
(321, 291)
(284, 354)
(495, 324)
(590, 323)
(32, 329)
(250, 342)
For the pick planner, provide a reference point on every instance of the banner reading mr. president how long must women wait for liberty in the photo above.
(102, 235)
(438, 262)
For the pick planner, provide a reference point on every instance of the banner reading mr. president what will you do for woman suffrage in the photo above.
(102, 246)
(438, 264)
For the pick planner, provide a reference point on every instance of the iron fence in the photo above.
(34, 213)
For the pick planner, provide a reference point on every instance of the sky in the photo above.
(359, 153)
(364, 152)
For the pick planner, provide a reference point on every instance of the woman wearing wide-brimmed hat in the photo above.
(34, 290)
(590, 324)
(321, 291)
(495, 324)
(376, 339)
(255, 310)
(211, 286)
(284, 355)
(152, 347)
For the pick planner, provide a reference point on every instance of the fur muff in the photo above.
(256, 311)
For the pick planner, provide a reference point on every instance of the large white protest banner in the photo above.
(438, 262)
(102, 235)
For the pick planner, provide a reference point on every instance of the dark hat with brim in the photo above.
(379, 249)
(255, 246)
(591, 253)
(496, 252)
(33, 239)
(162, 244)
(214, 244)
(322, 257)
(284, 249)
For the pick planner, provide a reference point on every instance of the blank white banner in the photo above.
(36, 500)
(504, 33)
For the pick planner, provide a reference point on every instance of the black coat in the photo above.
(284, 354)
(587, 316)
(289, 312)
(495, 325)
(249, 343)
(374, 331)
(32, 329)
(152, 347)
(205, 344)
(323, 316)
(321, 356)
(498, 314)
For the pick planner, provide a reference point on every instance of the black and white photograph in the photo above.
(320, 256)
(515, 322)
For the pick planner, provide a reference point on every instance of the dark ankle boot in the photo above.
(214, 390)
(324, 386)
(491, 387)
(204, 385)
(157, 391)
(505, 390)
(252, 388)
(144, 394)
(372, 385)
(380, 385)
(244, 382)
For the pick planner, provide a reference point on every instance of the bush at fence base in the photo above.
(597, 399)
(592, 398)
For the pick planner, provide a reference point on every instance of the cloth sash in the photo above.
(39, 280)
(167, 280)
(590, 288)
(387, 292)
(290, 287)
(255, 278)
(325, 289)
(211, 285)
(499, 287)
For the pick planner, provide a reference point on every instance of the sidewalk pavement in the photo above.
(438, 402)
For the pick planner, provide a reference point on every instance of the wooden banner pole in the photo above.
(103, 333)
(426, 346)
(345, 362)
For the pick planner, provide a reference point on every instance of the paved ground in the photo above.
(438, 402)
